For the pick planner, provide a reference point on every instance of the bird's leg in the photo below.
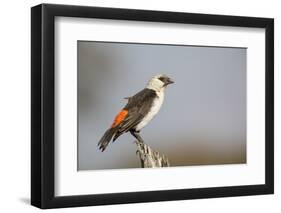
(137, 136)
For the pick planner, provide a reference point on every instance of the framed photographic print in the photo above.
(139, 106)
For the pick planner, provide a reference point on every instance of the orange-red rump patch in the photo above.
(119, 118)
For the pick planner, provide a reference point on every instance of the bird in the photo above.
(138, 112)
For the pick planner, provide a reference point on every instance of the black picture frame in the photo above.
(43, 100)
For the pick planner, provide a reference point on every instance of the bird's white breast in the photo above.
(156, 105)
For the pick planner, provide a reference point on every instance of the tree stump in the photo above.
(150, 158)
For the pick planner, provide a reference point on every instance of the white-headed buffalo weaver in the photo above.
(140, 109)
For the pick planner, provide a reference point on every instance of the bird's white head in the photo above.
(159, 82)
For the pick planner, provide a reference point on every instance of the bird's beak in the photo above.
(169, 81)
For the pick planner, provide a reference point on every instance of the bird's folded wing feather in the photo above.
(138, 106)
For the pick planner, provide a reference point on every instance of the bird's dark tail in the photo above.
(106, 138)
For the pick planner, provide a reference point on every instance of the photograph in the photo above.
(146, 105)
(139, 105)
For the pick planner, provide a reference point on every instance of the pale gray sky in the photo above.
(203, 117)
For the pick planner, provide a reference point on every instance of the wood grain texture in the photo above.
(150, 158)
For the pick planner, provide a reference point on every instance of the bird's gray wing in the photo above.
(138, 106)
